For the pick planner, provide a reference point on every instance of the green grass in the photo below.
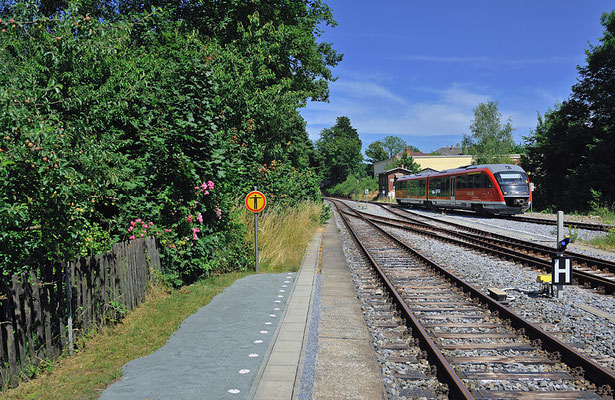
(99, 359)
(604, 242)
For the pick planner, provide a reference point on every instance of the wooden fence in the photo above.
(34, 314)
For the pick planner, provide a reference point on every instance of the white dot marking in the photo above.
(264, 332)
(277, 301)
(272, 315)
(258, 341)
(244, 371)
(253, 355)
(276, 309)
(234, 391)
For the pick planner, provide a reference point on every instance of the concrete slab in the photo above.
(346, 363)
(277, 379)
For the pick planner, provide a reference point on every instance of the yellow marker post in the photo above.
(255, 202)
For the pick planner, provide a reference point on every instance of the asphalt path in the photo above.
(217, 352)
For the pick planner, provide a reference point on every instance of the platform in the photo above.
(268, 336)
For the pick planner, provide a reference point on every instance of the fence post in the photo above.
(70, 308)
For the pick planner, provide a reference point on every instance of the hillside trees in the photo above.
(569, 155)
(491, 140)
(339, 152)
(110, 120)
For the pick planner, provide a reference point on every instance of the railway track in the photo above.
(533, 220)
(570, 224)
(480, 348)
(588, 271)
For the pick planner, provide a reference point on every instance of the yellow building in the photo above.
(447, 158)
(440, 163)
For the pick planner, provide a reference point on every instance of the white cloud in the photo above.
(374, 109)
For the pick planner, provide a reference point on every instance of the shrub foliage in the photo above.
(124, 120)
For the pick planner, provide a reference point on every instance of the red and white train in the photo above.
(487, 189)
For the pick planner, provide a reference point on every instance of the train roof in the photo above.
(494, 168)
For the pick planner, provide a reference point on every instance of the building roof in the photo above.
(394, 170)
(450, 151)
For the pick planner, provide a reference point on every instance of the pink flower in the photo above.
(151, 224)
(189, 218)
(138, 220)
(167, 230)
(130, 228)
(132, 237)
(142, 234)
(210, 184)
(200, 218)
(132, 223)
(219, 213)
(206, 192)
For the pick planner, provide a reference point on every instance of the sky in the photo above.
(417, 69)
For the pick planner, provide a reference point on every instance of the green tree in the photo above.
(339, 152)
(408, 163)
(375, 152)
(491, 141)
(569, 155)
(393, 145)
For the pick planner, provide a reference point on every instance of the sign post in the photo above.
(255, 202)
(561, 270)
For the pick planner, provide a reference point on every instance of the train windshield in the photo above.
(511, 178)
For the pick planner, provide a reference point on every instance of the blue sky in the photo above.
(416, 69)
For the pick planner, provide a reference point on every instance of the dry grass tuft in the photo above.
(283, 235)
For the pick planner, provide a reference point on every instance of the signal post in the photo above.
(255, 202)
(561, 267)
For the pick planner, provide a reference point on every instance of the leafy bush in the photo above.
(354, 186)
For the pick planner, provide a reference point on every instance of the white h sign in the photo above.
(561, 274)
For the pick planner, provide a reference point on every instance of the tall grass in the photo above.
(283, 234)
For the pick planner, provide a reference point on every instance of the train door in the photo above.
(453, 181)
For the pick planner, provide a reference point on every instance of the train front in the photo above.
(515, 187)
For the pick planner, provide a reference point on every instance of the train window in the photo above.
(473, 181)
(462, 182)
(439, 187)
(511, 178)
(417, 188)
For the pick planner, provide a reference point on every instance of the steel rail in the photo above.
(577, 257)
(582, 277)
(523, 218)
(445, 371)
(593, 372)
(571, 224)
